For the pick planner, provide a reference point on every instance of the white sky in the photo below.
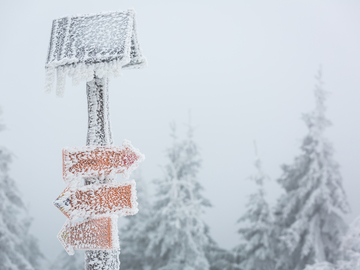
(244, 68)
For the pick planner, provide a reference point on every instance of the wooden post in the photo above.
(99, 134)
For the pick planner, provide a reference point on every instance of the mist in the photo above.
(245, 71)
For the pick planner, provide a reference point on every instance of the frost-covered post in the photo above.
(99, 134)
(94, 48)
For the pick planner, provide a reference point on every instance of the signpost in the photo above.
(99, 233)
(90, 161)
(94, 48)
(98, 200)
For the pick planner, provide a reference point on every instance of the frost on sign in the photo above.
(92, 161)
(100, 233)
(81, 45)
(96, 200)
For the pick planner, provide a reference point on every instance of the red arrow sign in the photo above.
(94, 234)
(95, 200)
(92, 161)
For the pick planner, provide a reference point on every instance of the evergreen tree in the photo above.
(256, 234)
(309, 213)
(323, 266)
(66, 262)
(133, 236)
(176, 230)
(19, 250)
(350, 248)
(349, 251)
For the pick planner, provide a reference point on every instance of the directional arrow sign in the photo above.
(94, 234)
(98, 199)
(92, 161)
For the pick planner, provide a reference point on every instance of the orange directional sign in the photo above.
(98, 199)
(92, 161)
(94, 234)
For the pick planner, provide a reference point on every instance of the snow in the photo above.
(102, 259)
(177, 232)
(256, 248)
(82, 45)
(99, 129)
(94, 234)
(98, 200)
(309, 214)
(97, 161)
(19, 250)
(349, 253)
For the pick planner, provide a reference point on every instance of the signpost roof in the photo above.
(82, 45)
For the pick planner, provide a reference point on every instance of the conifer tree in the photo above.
(349, 251)
(350, 248)
(19, 250)
(309, 213)
(256, 234)
(133, 236)
(177, 231)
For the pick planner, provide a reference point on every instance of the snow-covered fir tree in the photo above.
(349, 251)
(309, 214)
(133, 236)
(177, 231)
(322, 266)
(19, 250)
(350, 248)
(256, 233)
(65, 262)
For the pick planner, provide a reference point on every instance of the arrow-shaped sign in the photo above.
(92, 161)
(101, 233)
(98, 199)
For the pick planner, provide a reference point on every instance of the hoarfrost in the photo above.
(309, 214)
(177, 231)
(94, 234)
(95, 161)
(256, 249)
(82, 45)
(98, 200)
(19, 250)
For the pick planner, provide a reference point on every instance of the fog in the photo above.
(245, 70)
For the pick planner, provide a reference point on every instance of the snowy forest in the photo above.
(303, 230)
(246, 113)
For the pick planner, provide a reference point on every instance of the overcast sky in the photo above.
(244, 68)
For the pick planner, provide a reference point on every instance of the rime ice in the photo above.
(177, 232)
(94, 48)
(310, 212)
(257, 241)
(95, 234)
(98, 200)
(103, 43)
(91, 161)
